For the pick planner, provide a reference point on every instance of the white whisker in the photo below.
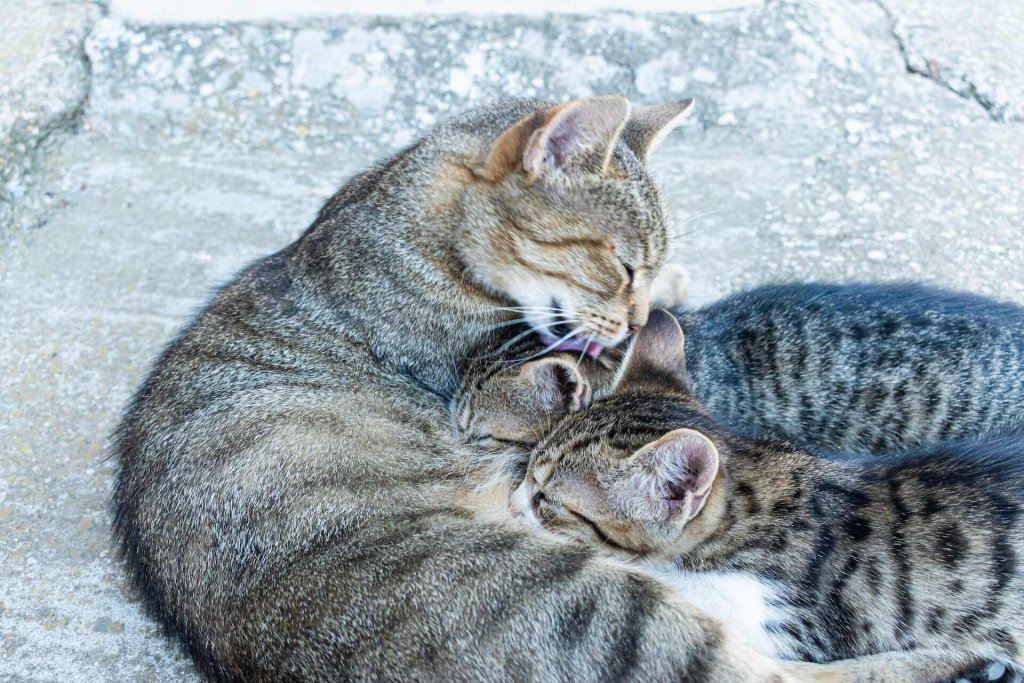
(517, 321)
(590, 338)
(513, 340)
(678, 234)
(520, 309)
(555, 344)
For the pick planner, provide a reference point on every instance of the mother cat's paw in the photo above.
(670, 287)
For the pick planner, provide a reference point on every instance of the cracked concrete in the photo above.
(43, 90)
(971, 48)
(814, 155)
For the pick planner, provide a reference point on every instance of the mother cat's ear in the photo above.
(670, 479)
(656, 360)
(648, 126)
(575, 138)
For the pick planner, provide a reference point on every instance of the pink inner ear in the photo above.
(688, 464)
(675, 491)
(580, 134)
(559, 385)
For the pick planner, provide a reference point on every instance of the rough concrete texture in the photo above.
(815, 154)
(973, 48)
(204, 11)
(44, 81)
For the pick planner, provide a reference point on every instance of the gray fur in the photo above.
(859, 368)
(856, 368)
(865, 368)
(288, 497)
(871, 554)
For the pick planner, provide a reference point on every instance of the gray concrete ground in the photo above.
(833, 140)
(44, 83)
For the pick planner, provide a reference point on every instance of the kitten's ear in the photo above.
(656, 360)
(648, 126)
(557, 384)
(678, 471)
(577, 137)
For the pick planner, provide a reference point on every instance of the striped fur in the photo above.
(865, 368)
(288, 496)
(867, 554)
(858, 368)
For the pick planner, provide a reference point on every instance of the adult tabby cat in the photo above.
(860, 368)
(288, 496)
(855, 555)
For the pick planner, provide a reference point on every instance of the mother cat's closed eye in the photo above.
(578, 247)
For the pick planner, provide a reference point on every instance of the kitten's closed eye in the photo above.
(517, 405)
(491, 441)
(557, 516)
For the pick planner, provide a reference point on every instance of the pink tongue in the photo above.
(592, 349)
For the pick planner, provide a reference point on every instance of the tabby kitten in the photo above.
(865, 368)
(288, 496)
(855, 555)
(860, 368)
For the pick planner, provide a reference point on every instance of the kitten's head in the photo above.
(637, 472)
(502, 404)
(563, 218)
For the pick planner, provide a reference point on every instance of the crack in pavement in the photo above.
(29, 192)
(930, 71)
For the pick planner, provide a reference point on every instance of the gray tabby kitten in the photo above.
(288, 496)
(866, 368)
(855, 556)
(859, 368)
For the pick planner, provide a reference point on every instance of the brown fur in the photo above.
(288, 496)
(872, 555)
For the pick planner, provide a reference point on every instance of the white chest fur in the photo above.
(744, 604)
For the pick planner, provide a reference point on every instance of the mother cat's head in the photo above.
(560, 216)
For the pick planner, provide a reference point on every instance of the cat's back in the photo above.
(966, 471)
(959, 509)
(309, 317)
(916, 549)
(862, 367)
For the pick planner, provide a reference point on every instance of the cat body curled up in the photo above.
(857, 368)
(857, 555)
(288, 496)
